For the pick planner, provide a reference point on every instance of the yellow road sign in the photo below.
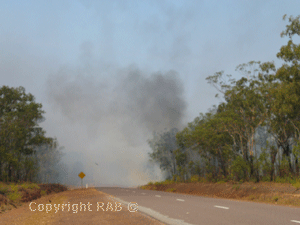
(81, 175)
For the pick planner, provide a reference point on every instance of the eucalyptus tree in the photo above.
(282, 95)
(19, 132)
(289, 75)
(244, 110)
(163, 148)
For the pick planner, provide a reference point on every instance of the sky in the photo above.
(110, 73)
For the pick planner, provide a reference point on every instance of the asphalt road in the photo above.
(172, 208)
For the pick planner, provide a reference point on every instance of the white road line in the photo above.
(157, 196)
(155, 214)
(143, 193)
(295, 221)
(222, 207)
(180, 200)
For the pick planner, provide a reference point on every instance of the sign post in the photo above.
(81, 175)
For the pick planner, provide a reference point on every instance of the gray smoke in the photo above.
(108, 115)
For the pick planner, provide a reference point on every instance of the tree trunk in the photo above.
(297, 167)
(9, 173)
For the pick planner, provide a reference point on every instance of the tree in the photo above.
(19, 133)
(163, 151)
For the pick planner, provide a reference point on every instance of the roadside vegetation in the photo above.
(13, 195)
(27, 157)
(284, 191)
(252, 137)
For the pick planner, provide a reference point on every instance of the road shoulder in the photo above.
(80, 206)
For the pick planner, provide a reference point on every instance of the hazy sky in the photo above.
(109, 73)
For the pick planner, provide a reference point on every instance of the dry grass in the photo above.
(13, 195)
(267, 192)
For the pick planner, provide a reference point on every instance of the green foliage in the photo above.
(14, 187)
(150, 183)
(225, 137)
(265, 179)
(171, 189)
(221, 182)
(13, 193)
(27, 185)
(163, 150)
(14, 196)
(296, 184)
(158, 183)
(43, 192)
(240, 169)
(275, 198)
(20, 134)
(195, 178)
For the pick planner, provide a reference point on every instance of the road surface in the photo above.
(172, 208)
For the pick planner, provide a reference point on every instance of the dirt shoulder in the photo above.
(264, 192)
(99, 210)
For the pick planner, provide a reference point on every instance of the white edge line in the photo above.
(180, 200)
(155, 214)
(295, 221)
(222, 207)
(157, 196)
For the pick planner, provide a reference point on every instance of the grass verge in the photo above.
(14, 194)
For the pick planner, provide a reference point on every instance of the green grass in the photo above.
(29, 186)
(297, 184)
(14, 188)
(171, 189)
(195, 178)
(14, 196)
(167, 182)
(221, 182)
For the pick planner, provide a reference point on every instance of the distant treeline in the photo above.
(253, 135)
(25, 153)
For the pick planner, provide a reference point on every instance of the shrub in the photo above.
(276, 198)
(221, 182)
(251, 197)
(240, 169)
(30, 186)
(266, 179)
(14, 196)
(171, 190)
(3, 188)
(236, 187)
(167, 182)
(195, 178)
(297, 184)
(209, 177)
